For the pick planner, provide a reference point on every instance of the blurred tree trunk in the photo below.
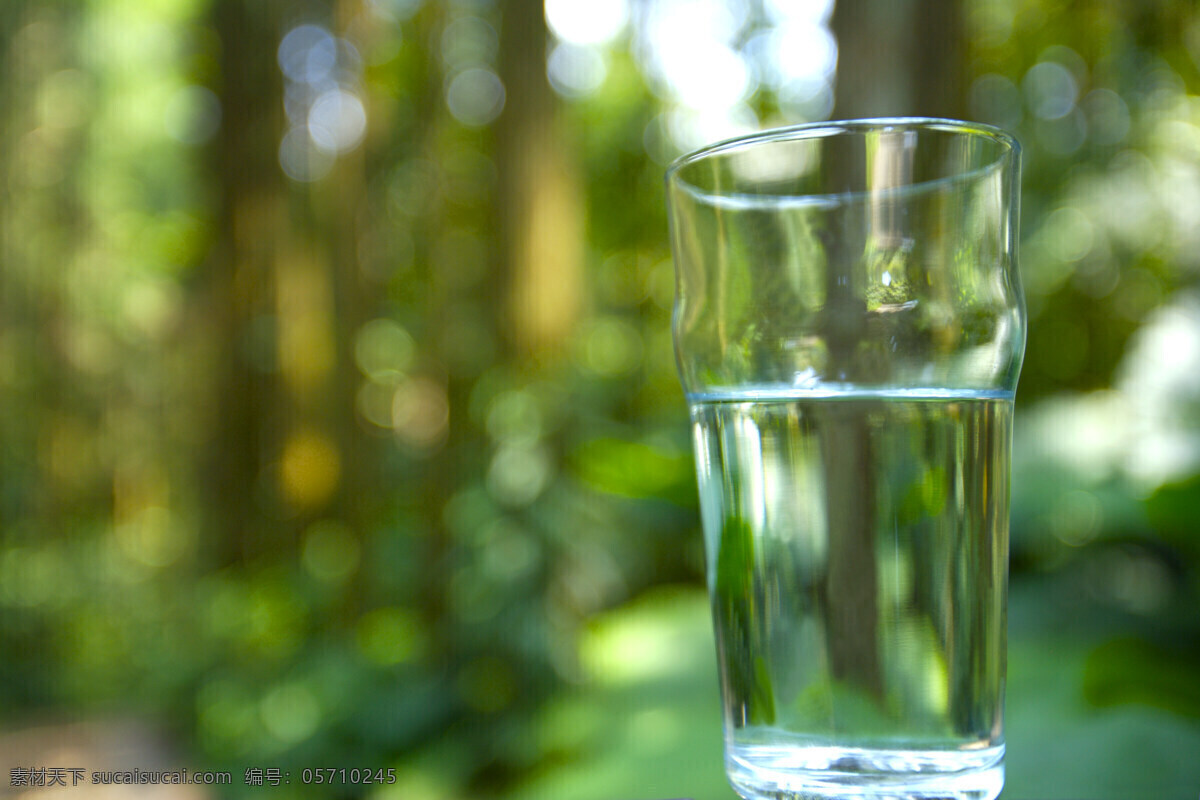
(851, 593)
(539, 193)
(17, 455)
(895, 58)
(900, 58)
(326, 470)
(344, 204)
(285, 303)
(239, 288)
(42, 222)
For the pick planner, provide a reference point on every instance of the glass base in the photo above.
(765, 772)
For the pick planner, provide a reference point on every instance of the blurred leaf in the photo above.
(1133, 670)
(656, 735)
(633, 469)
(1173, 510)
(747, 677)
(1060, 748)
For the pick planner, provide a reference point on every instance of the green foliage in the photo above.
(633, 469)
(740, 620)
(1128, 670)
(278, 473)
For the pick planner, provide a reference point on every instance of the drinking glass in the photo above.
(849, 328)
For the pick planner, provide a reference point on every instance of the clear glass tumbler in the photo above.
(849, 328)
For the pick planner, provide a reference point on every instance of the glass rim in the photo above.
(1010, 151)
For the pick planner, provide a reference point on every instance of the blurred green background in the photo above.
(340, 422)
